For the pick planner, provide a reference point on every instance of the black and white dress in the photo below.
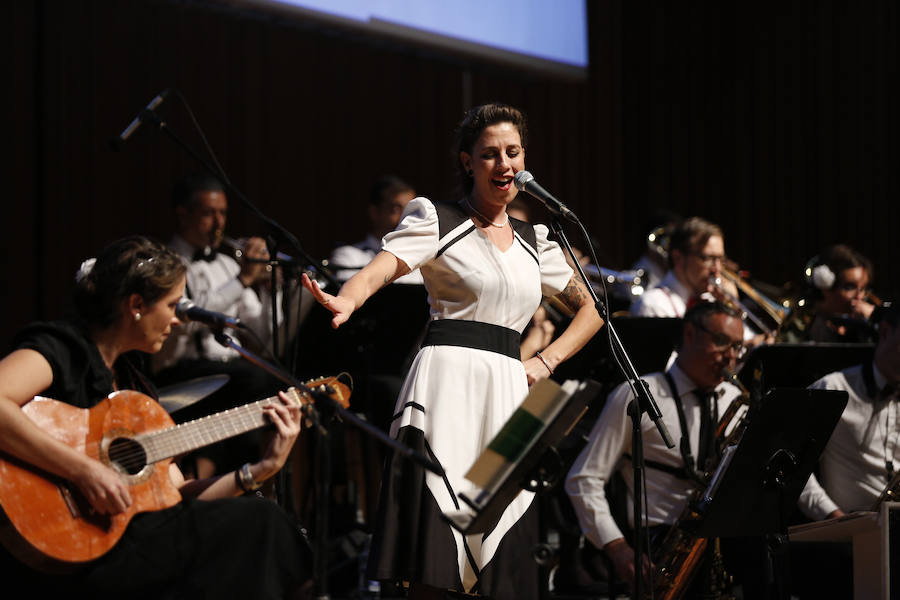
(465, 382)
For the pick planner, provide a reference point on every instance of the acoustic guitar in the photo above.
(48, 524)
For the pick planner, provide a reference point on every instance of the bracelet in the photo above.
(244, 479)
(544, 360)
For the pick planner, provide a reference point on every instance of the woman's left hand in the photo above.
(286, 417)
(535, 369)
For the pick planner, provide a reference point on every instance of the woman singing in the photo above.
(210, 545)
(485, 274)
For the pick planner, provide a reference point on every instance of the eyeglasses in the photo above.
(722, 342)
(709, 260)
(852, 288)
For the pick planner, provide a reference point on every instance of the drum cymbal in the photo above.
(184, 393)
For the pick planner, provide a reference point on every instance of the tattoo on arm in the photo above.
(575, 295)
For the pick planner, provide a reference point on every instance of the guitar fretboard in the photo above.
(204, 431)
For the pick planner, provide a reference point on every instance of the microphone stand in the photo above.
(150, 116)
(325, 406)
(642, 400)
(323, 459)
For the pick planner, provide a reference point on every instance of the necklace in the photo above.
(486, 220)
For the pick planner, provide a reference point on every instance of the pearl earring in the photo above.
(137, 316)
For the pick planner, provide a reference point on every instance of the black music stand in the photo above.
(531, 468)
(755, 490)
(798, 365)
(648, 340)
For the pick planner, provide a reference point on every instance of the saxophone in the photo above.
(677, 559)
(891, 493)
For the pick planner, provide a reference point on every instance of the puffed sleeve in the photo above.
(555, 271)
(415, 240)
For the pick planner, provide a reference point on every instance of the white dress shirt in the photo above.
(668, 299)
(610, 441)
(213, 285)
(853, 470)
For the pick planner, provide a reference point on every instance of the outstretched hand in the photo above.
(340, 306)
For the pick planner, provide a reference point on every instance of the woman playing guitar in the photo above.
(211, 544)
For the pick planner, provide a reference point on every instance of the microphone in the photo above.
(187, 311)
(132, 127)
(525, 182)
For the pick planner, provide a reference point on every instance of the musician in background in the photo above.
(838, 308)
(696, 253)
(863, 453)
(691, 396)
(388, 196)
(654, 261)
(217, 282)
(125, 303)
(861, 459)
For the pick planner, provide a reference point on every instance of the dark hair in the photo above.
(690, 235)
(184, 190)
(386, 187)
(841, 257)
(698, 315)
(132, 265)
(474, 123)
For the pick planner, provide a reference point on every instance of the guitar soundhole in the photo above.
(127, 456)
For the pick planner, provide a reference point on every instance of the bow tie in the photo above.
(206, 253)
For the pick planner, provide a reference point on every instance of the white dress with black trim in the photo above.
(465, 382)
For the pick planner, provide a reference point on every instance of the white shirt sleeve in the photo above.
(415, 240)
(814, 502)
(610, 438)
(555, 271)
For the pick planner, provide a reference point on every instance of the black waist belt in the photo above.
(474, 334)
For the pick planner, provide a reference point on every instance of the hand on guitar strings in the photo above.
(104, 488)
(286, 417)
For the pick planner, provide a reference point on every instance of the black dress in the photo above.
(229, 548)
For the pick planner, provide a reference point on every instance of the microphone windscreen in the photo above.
(521, 179)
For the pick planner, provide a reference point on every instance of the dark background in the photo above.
(778, 121)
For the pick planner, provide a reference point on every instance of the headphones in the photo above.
(819, 275)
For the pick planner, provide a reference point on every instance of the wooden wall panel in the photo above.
(777, 121)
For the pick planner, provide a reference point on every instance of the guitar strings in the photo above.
(153, 446)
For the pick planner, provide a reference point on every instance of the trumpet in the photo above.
(777, 312)
(735, 303)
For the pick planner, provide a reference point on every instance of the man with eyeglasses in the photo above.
(696, 252)
(691, 395)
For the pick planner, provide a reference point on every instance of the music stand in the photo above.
(523, 454)
(648, 340)
(753, 493)
(798, 365)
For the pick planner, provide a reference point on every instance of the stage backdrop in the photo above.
(776, 122)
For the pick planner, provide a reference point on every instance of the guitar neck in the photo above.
(192, 435)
